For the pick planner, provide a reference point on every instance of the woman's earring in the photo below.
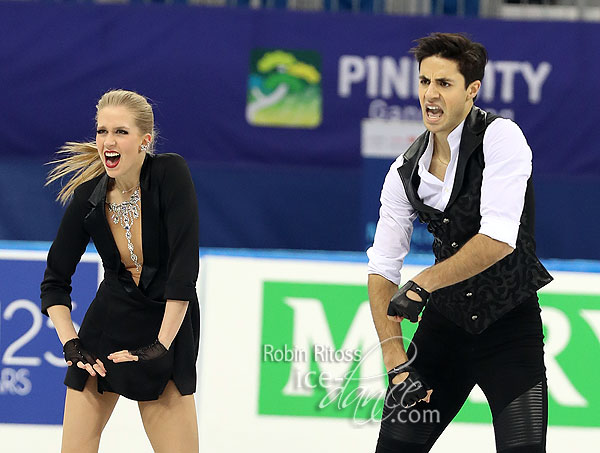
(144, 148)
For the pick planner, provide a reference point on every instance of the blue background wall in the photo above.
(262, 187)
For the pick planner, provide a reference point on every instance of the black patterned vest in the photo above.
(477, 302)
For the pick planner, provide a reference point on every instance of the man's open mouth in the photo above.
(433, 112)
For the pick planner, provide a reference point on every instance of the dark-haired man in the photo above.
(468, 178)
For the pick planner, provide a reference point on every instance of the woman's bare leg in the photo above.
(86, 414)
(170, 422)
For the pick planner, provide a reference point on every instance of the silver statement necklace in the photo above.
(125, 213)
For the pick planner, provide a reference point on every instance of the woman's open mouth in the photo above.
(112, 158)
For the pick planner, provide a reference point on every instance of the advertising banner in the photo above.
(310, 361)
(288, 356)
(279, 87)
(320, 357)
(32, 366)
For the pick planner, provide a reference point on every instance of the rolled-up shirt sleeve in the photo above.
(507, 169)
(394, 228)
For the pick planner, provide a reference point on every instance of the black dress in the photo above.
(124, 315)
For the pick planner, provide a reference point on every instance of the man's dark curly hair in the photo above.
(470, 56)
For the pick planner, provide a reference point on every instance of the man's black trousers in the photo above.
(506, 360)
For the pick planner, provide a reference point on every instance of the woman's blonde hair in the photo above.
(82, 158)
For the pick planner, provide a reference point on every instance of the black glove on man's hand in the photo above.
(153, 351)
(404, 306)
(74, 353)
(409, 391)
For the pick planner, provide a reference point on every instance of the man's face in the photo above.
(445, 101)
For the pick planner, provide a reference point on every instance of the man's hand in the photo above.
(406, 390)
(403, 306)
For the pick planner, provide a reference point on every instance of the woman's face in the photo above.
(118, 140)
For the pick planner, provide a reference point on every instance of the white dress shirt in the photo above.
(507, 158)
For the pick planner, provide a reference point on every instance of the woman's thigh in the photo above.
(170, 422)
(86, 414)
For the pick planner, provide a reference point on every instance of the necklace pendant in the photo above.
(125, 213)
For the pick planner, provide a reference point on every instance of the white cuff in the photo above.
(500, 229)
(388, 269)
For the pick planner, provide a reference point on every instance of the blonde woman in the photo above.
(140, 335)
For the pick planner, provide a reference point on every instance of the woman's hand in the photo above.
(122, 356)
(75, 354)
(155, 350)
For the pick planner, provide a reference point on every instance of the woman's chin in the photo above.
(111, 172)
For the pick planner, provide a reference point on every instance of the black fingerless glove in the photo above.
(402, 305)
(74, 353)
(155, 350)
(409, 391)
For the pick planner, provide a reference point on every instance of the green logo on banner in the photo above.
(320, 355)
(284, 88)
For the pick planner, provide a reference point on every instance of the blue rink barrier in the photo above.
(32, 367)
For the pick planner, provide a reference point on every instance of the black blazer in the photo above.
(169, 234)
(123, 315)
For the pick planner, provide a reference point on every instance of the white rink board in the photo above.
(230, 290)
